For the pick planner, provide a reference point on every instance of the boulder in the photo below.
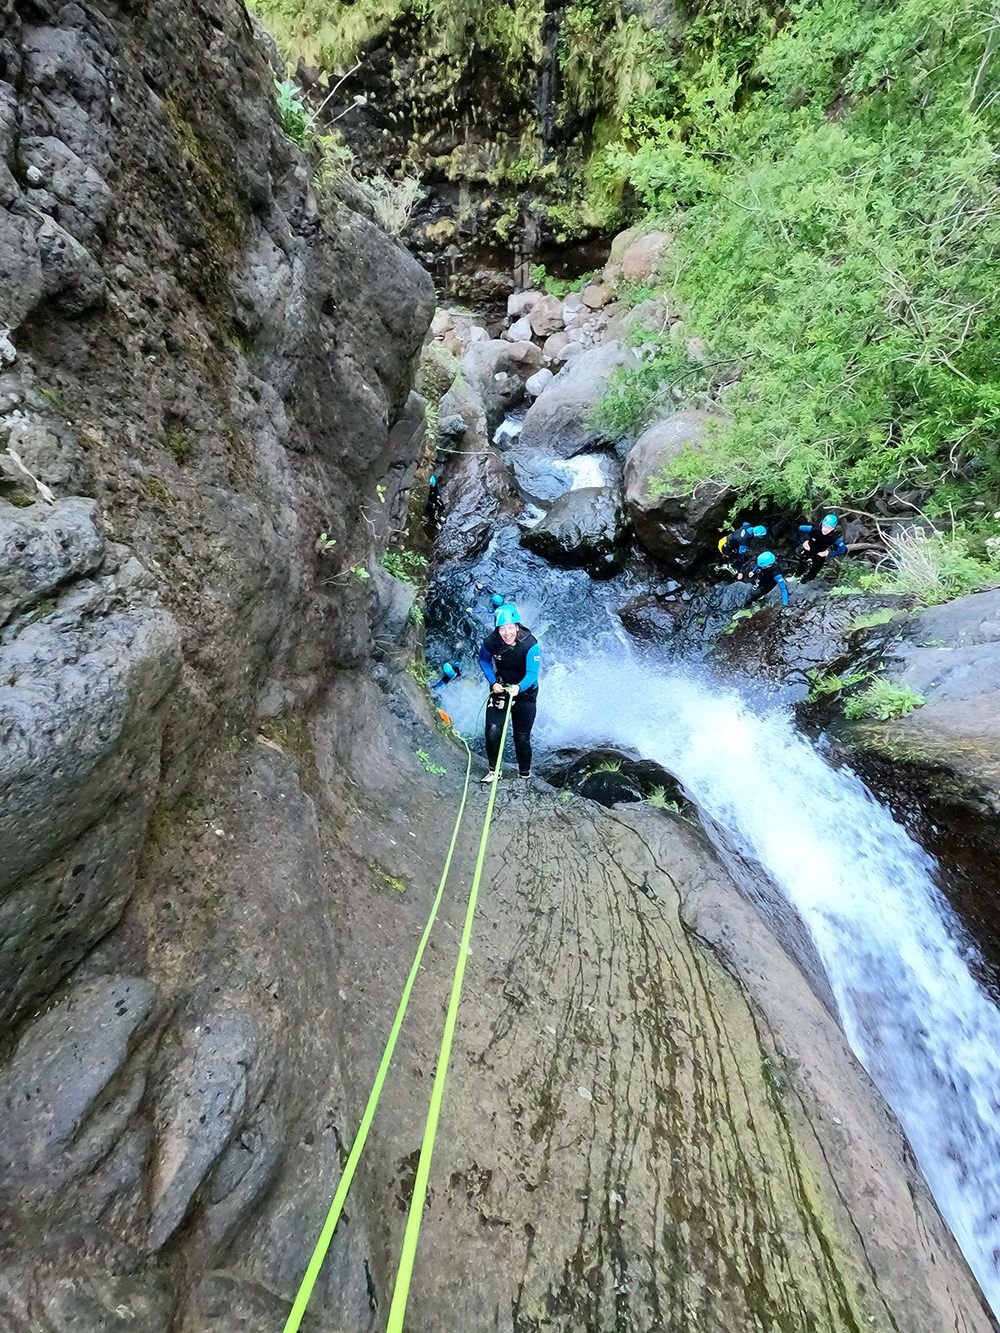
(498, 370)
(656, 315)
(560, 421)
(644, 258)
(595, 296)
(520, 303)
(42, 548)
(554, 345)
(520, 331)
(651, 619)
(546, 316)
(585, 527)
(479, 494)
(537, 382)
(465, 402)
(674, 523)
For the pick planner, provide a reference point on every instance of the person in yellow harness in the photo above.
(739, 547)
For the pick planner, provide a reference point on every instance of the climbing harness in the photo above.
(305, 1290)
(404, 1273)
(408, 1253)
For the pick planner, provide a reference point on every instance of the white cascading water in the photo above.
(927, 1033)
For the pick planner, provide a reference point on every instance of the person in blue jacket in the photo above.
(449, 671)
(818, 542)
(510, 658)
(764, 576)
(738, 547)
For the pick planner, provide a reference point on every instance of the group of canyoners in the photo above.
(510, 658)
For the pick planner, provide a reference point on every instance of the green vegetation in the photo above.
(429, 766)
(824, 686)
(608, 766)
(933, 566)
(830, 181)
(382, 875)
(874, 618)
(407, 566)
(560, 287)
(297, 120)
(659, 800)
(360, 573)
(883, 700)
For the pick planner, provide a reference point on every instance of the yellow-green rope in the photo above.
(404, 1274)
(305, 1290)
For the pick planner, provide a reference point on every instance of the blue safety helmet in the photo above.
(434, 480)
(448, 671)
(759, 531)
(765, 560)
(508, 615)
(829, 521)
(497, 600)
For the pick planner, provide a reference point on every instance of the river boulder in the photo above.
(479, 493)
(560, 421)
(585, 527)
(675, 523)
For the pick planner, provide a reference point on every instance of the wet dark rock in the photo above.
(674, 523)
(939, 766)
(785, 643)
(651, 619)
(479, 494)
(585, 527)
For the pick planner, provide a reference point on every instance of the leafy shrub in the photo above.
(823, 686)
(883, 700)
(831, 187)
(297, 120)
(561, 287)
(403, 565)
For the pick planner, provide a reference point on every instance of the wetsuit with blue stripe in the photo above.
(764, 580)
(511, 664)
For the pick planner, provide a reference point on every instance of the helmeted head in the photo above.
(829, 522)
(448, 671)
(759, 531)
(434, 480)
(508, 618)
(765, 560)
(497, 600)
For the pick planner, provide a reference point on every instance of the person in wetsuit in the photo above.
(765, 575)
(739, 547)
(510, 657)
(819, 542)
(434, 504)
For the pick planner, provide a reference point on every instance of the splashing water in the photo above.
(923, 1028)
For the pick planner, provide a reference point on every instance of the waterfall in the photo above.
(894, 954)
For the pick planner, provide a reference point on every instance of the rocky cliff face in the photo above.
(200, 373)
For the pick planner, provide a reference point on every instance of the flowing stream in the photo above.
(895, 956)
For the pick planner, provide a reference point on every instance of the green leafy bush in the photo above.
(659, 800)
(883, 700)
(406, 566)
(831, 185)
(296, 119)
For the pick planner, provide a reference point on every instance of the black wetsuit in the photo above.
(513, 664)
(815, 543)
